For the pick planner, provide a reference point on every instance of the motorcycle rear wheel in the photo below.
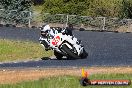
(84, 54)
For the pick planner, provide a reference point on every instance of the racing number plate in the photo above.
(56, 40)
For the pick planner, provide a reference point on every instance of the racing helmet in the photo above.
(44, 30)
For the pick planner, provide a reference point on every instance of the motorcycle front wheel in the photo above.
(69, 52)
(58, 55)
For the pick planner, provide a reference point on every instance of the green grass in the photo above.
(68, 82)
(17, 50)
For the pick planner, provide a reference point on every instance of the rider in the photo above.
(47, 32)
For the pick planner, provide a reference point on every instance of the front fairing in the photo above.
(71, 39)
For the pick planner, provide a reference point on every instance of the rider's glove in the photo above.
(63, 31)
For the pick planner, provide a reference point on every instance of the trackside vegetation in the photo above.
(68, 82)
(13, 11)
(105, 8)
(11, 50)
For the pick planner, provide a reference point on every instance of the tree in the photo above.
(75, 7)
(126, 10)
(106, 8)
(19, 5)
(13, 9)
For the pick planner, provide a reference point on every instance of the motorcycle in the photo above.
(66, 45)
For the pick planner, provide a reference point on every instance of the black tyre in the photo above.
(84, 54)
(13, 25)
(1, 25)
(58, 55)
(81, 29)
(69, 52)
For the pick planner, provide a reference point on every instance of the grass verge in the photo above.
(20, 50)
(68, 82)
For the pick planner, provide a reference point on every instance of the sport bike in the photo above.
(66, 45)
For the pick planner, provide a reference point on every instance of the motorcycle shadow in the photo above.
(64, 58)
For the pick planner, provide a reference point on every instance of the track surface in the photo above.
(104, 48)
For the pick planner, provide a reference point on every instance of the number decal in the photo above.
(56, 40)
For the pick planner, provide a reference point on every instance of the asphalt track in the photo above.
(104, 49)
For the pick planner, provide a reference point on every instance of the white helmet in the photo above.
(45, 28)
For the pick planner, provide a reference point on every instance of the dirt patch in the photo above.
(18, 75)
